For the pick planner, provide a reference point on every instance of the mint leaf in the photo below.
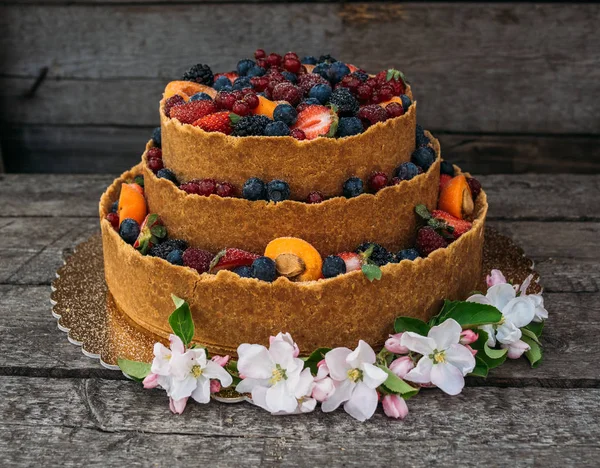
(536, 327)
(372, 272)
(469, 314)
(423, 212)
(159, 231)
(534, 355)
(409, 324)
(396, 385)
(134, 369)
(181, 320)
(315, 357)
(481, 368)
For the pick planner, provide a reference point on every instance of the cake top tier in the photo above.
(277, 96)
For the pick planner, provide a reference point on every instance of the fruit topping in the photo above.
(444, 180)
(456, 199)
(129, 230)
(406, 102)
(151, 233)
(243, 271)
(298, 134)
(475, 187)
(225, 189)
(447, 168)
(191, 111)
(200, 97)
(185, 89)
(264, 269)
(317, 121)
(167, 174)
(423, 157)
(219, 122)
(352, 260)
(278, 190)
(286, 114)
(371, 114)
(377, 181)
(155, 164)
(309, 60)
(287, 91)
(333, 266)
(175, 257)
(394, 109)
(265, 107)
(173, 101)
(407, 254)
(349, 126)
(154, 153)
(315, 197)
(222, 83)
(429, 240)
(132, 203)
(295, 258)
(346, 104)
(374, 253)
(406, 171)
(276, 129)
(251, 125)
(197, 259)
(460, 225)
(353, 187)
(308, 81)
(165, 248)
(113, 219)
(156, 137)
(244, 66)
(421, 139)
(254, 189)
(321, 92)
(228, 259)
(200, 73)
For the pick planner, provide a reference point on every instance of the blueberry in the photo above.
(256, 71)
(290, 76)
(337, 71)
(349, 126)
(241, 83)
(353, 187)
(285, 113)
(447, 168)
(424, 157)
(406, 102)
(175, 257)
(406, 171)
(244, 66)
(200, 97)
(320, 92)
(278, 190)
(407, 254)
(221, 82)
(333, 266)
(167, 174)
(309, 60)
(311, 102)
(115, 206)
(156, 137)
(422, 140)
(321, 69)
(276, 129)
(254, 189)
(129, 230)
(264, 269)
(243, 271)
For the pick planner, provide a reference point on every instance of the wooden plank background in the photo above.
(508, 87)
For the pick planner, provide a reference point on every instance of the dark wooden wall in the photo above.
(508, 87)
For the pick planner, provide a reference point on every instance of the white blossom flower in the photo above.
(356, 379)
(516, 349)
(445, 361)
(541, 313)
(324, 386)
(288, 339)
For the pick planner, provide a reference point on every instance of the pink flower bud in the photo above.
(468, 336)
(392, 344)
(516, 349)
(394, 406)
(495, 277)
(473, 351)
(177, 406)
(221, 360)
(151, 381)
(215, 386)
(323, 389)
(402, 366)
(288, 339)
(322, 370)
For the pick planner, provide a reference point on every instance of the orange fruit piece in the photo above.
(186, 89)
(309, 68)
(132, 203)
(265, 107)
(394, 99)
(455, 198)
(295, 258)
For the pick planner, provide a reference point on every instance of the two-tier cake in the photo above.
(294, 195)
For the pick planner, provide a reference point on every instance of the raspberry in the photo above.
(206, 187)
(251, 99)
(241, 108)
(372, 114)
(173, 101)
(225, 100)
(298, 134)
(200, 74)
(155, 164)
(224, 189)
(287, 92)
(364, 92)
(428, 240)
(377, 181)
(259, 83)
(350, 82)
(315, 197)
(251, 125)
(346, 104)
(274, 60)
(154, 153)
(306, 82)
(190, 188)
(197, 259)
(260, 54)
(385, 92)
(192, 111)
(113, 218)
(394, 109)
(475, 187)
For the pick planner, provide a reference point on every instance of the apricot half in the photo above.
(132, 203)
(187, 89)
(295, 258)
(455, 198)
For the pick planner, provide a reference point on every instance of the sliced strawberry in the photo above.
(460, 225)
(218, 122)
(352, 260)
(228, 259)
(231, 75)
(317, 121)
(191, 111)
(444, 180)
(352, 68)
(151, 231)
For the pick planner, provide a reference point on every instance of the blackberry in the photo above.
(333, 266)
(379, 256)
(156, 138)
(447, 168)
(347, 105)
(200, 74)
(167, 247)
(167, 174)
(251, 125)
(421, 139)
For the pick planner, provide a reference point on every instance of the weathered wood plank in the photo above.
(445, 63)
(111, 423)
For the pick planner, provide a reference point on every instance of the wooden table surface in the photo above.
(59, 407)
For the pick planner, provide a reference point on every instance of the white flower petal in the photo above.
(336, 362)
(255, 361)
(489, 329)
(447, 378)
(248, 385)
(177, 345)
(417, 343)
(362, 403)
(516, 349)
(202, 392)
(460, 357)
(362, 353)
(479, 299)
(182, 388)
(215, 371)
(165, 382)
(373, 376)
(525, 285)
(181, 365)
(281, 398)
(421, 373)
(445, 334)
(259, 397)
(282, 353)
(520, 311)
(199, 356)
(307, 405)
(304, 384)
(343, 391)
(507, 333)
(500, 294)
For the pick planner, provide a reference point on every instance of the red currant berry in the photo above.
(240, 108)
(395, 181)
(394, 109)
(287, 92)
(238, 93)
(290, 55)
(251, 100)
(206, 187)
(191, 188)
(274, 59)
(372, 114)
(292, 65)
(259, 83)
(315, 197)
(262, 62)
(298, 134)
(224, 189)
(113, 218)
(225, 100)
(259, 54)
(364, 92)
(155, 164)
(154, 153)
(377, 181)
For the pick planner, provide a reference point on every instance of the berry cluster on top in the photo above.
(276, 95)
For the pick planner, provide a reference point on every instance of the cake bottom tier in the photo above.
(229, 310)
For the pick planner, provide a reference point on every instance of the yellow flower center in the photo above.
(439, 357)
(196, 371)
(355, 375)
(278, 374)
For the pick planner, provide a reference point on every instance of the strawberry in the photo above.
(151, 231)
(352, 260)
(460, 225)
(429, 240)
(444, 180)
(228, 259)
(317, 121)
(218, 122)
(192, 111)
